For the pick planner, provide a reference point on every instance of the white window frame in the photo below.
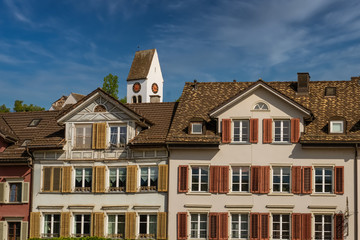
(323, 225)
(51, 234)
(199, 177)
(196, 124)
(282, 130)
(240, 221)
(281, 179)
(281, 221)
(118, 144)
(336, 122)
(83, 126)
(117, 187)
(241, 168)
(198, 221)
(323, 184)
(25, 186)
(148, 175)
(241, 129)
(116, 230)
(82, 224)
(83, 179)
(261, 109)
(147, 234)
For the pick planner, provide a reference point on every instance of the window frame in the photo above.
(19, 191)
(148, 175)
(52, 221)
(83, 137)
(282, 134)
(199, 183)
(196, 124)
(336, 122)
(281, 222)
(117, 188)
(323, 223)
(198, 230)
(281, 176)
(240, 225)
(83, 187)
(119, 134)
(116, 229)
(82, 222)
(260, 109)
(241, 130)
(323, 176)
(240, 182)
(147, 235)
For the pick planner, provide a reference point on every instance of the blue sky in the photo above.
(51, 48)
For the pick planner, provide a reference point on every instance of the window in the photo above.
(196, 128)
(118, 136)
(281, 226)
(240, 226)
(51, 179)
(116, 226)
(139, 99)
(330, 91)
(52, 225)
(199, 179)
(281, 179)
(323, 180)
(323, 226)
(83, 179)
(261, 106)
(34, 122)
(336, 126)
(83, 136)
(149, 178)
(82, 225)
(15, 192)
(282, 130)
(198, 226)
(14, 230)
(241, 131)
(240, 179)
(117, 179)
(134, 99)
(147, 226)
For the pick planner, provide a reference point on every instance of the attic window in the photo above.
(25, 143)
(330, 91)
(261, 106)
(34, 123)
(196, 128)
(337, 126)
(100, 108)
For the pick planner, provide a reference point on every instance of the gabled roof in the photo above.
(6, 132)
(141, 64)
(251, 89)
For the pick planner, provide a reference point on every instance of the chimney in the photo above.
(303, 83)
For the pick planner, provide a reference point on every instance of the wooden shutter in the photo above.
(131, 178)
(296, 226)
(99, 179)
(3, 227)
(223, 226)
(214, 179)
(267, 130)
(2, 192)
(65, 224)
(338, 226)
(264, 226)
(255, 179)
(94, 131)
(182, 225)
(130, 225)
(98, 224)
(224, 179)
(56, 179)
(265, 179)
(163, 178)
(306, 226)
(25, 192)
(183, 178)
(35, 225)
(66, 179)
(339, 180)
(99, 136)
(295, 130)
(306, 180)
(47, 172)
(24, 230)
(226, 130)
(213, 226)
(254, 226)
(254, 130)
(296, 179)
(161, 225)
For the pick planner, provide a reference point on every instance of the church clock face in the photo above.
(136, 87)
(154, 88)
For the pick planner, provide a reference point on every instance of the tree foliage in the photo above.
(20, 107)
(123, 100)
(3, 108)
(111, 85)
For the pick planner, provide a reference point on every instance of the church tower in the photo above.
(145, 81)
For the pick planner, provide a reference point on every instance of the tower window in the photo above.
(139, 99)
(134, 99)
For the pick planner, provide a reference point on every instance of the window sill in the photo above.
(280, 194)
(199, 193)
(12, 203)
(281, 143)
(323, 195)
(240, 143)
(239, 194)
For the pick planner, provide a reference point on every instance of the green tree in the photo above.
(20, 107)
(3, 108)
(123, 100)
(111, 85)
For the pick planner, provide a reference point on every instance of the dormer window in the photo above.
(336, 126)
(196, 128)
(261, 106)
(330, 91)
(34, 122)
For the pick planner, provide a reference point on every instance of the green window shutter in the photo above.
(2, 192)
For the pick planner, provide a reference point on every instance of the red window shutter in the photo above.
(295, 130)
(254, 226)
(267, 130)
(226, 130)
(264, 223)
(214, 179)
(255, 179)
(213, 226)
(339, 226)
(296, 179)
(183, 178)
(306, 180)
(223, 226)
(339, 180)
(224, 179)
(296, 226)
(254, 129)
(265, 179)
(182, 225)
(306, 226)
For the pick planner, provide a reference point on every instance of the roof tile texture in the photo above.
(141, 64)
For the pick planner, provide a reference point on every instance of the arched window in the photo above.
(261, 106)
(134, 99)
(100, 108)
(139, 99)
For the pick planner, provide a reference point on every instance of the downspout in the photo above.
(356, 191)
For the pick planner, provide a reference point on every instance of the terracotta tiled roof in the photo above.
(198, 99)
(161, 115)
(78, 96)
(141, 64)
(6, 132)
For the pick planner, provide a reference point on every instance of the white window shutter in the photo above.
(24, 231)
(3, 230)
(2, 192)
(25, 192)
